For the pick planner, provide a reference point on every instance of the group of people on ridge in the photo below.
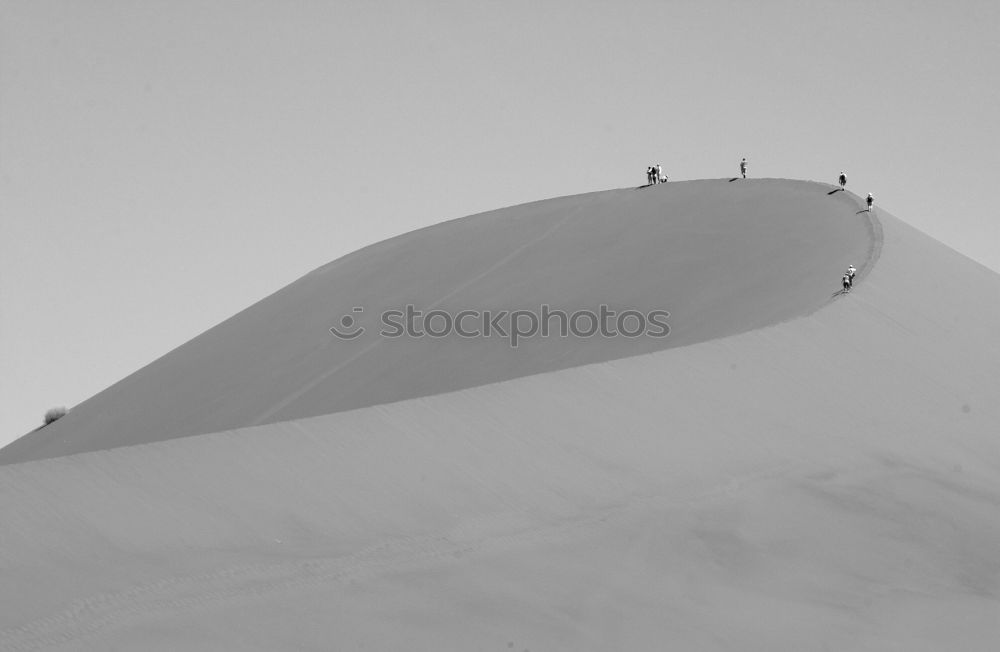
(848, 279)
(654, 174)
(843, 184)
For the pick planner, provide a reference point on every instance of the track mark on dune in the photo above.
(877, 237)
(309, 386)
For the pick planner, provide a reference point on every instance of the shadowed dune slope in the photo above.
(722, 258)
(831, 482)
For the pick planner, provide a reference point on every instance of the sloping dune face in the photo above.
(831, 482)
(721, 258)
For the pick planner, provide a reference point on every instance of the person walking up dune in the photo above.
(843, 180)
(870, 200)
(851, 271)
(846, 281)
(743, 168)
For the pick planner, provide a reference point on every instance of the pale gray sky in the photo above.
(163, 165)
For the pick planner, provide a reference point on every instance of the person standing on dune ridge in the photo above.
(870, 200)
(843, 180)
(743, 168)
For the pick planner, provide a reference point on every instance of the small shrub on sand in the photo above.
(54, 414)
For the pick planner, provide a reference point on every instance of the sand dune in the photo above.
(829, 481)
(721, 257)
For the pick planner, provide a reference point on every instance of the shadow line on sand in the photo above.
(876, 240)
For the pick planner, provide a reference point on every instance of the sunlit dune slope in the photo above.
(831, 482)
(722, 257)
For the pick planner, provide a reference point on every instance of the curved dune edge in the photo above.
(839, 474)
(723, 258)
(867, 264)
